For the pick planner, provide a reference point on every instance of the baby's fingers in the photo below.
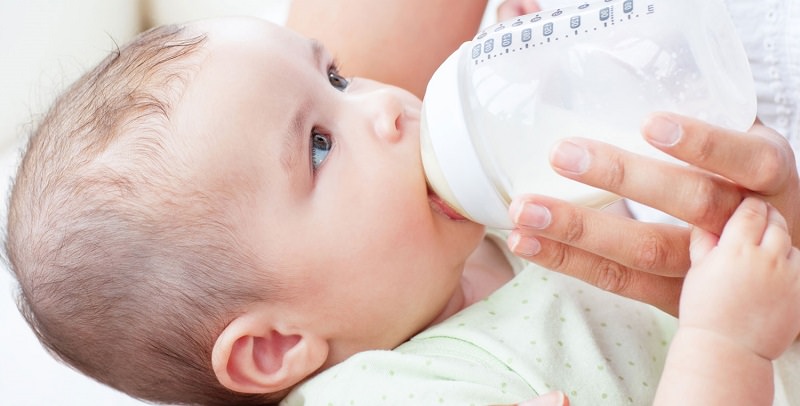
(776, 236)
(700, 244)
(747, 224)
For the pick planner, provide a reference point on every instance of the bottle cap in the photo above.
(452, 144)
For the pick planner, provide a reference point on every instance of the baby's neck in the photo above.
(485, 271)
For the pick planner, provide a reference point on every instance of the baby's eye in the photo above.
(321, 145)
(337, 80)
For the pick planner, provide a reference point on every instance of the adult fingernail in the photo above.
(533, 215)
(663, 131)
(570, 157)
(524, 246)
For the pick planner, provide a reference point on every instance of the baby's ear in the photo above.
(255, 355)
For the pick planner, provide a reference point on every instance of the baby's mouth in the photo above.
(440, 206)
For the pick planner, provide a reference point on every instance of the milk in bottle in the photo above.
(495, 107)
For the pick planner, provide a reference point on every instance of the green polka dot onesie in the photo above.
(542, 331)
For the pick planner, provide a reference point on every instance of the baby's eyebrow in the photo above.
(293, 139)
(318, 52)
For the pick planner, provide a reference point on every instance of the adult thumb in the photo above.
(548, 399)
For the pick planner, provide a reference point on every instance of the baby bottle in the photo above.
(495, 107)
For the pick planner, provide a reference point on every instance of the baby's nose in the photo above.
(389, 114)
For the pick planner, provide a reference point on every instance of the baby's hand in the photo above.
(745, 285)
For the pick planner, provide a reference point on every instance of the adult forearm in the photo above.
(400, 42)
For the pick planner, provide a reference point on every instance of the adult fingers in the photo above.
(688, 193)
(654, 248)
(657, 290)
(515, 8)
(548, 399)
(755, 160)
(642, 261)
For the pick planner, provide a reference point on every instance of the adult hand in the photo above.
(515, 8)
(548, 399)
(647, 261)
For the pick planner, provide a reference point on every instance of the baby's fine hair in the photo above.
(128, 265)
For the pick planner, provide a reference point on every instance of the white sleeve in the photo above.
(651, 215)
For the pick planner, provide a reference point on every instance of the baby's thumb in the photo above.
(548, 399)
(700, 243)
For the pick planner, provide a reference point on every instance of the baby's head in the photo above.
(213, 214)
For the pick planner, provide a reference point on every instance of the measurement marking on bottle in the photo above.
(511, 34)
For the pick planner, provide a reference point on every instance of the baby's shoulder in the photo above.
(409, 376)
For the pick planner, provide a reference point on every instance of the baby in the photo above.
(214, 215)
